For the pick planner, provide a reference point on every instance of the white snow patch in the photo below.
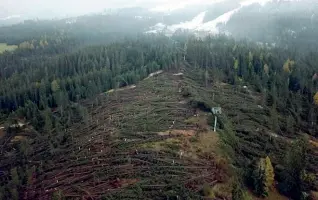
(197, 25)
(142, 17)
(211, 26)
(159, 27)
(153, 31)
(190, 25)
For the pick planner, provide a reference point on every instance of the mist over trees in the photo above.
(58, 64)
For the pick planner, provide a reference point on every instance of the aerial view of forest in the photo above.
(209, 100)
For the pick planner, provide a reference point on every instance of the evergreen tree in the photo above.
(15, 177)
(237, 192)
(316, 98)
(295, 163)
(269, 174)
(47, 121)
(274, 118)
(263, 177)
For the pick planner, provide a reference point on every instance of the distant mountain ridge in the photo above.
(269, 21)
(202, 22)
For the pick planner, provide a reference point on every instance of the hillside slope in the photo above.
(139, 142)
(74, 125)
(248, 131)
(153, 140)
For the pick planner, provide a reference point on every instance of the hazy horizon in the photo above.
(61, 8)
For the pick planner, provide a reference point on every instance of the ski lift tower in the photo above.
(216, 111)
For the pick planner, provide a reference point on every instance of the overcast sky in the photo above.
(76, 7)
(57, 8)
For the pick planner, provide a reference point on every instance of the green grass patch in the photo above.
(4, 47)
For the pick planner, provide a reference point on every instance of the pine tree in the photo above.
(237, 192)
(47, 120)
(29, 174)
(236, 64)
(274, 118)
(294, 165)
(316, 98)
(266, 69)
(290, 122)
(263, 177)
(250, 60)
(269, 173)
(14, 176)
